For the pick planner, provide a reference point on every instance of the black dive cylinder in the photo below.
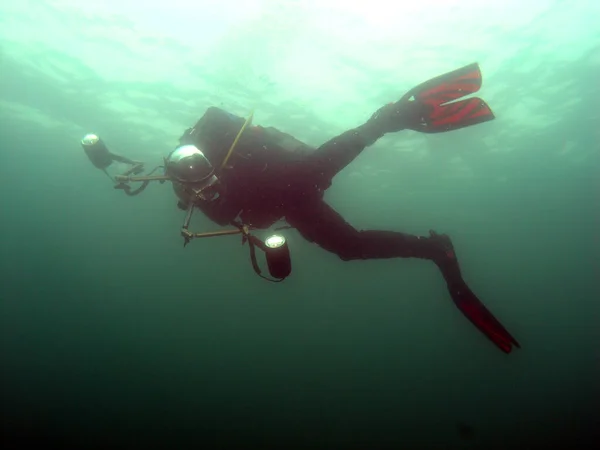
(216, 130)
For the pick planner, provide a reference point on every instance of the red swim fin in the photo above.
(482, 318)
(433, 113)
(464, 298)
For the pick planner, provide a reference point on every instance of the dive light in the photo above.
(96, 151)
(278, 256)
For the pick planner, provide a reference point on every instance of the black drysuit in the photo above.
(275, 176)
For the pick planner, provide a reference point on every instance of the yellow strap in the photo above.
(235, 141)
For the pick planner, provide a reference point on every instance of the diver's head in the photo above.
(188, 165)
(191, 172)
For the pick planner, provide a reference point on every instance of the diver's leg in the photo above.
(319, 223)
(425, 108)
(335, 154)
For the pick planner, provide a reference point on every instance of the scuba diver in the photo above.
(251, 177)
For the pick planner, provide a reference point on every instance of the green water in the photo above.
(114, 336)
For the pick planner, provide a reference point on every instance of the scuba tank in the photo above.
(216, 130)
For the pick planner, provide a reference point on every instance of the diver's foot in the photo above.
(443, 255)
(389, 119)
(398, 116)
(443, 243)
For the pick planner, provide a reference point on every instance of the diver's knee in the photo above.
(349, 252)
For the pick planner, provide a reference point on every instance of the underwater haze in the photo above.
(115, 336)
